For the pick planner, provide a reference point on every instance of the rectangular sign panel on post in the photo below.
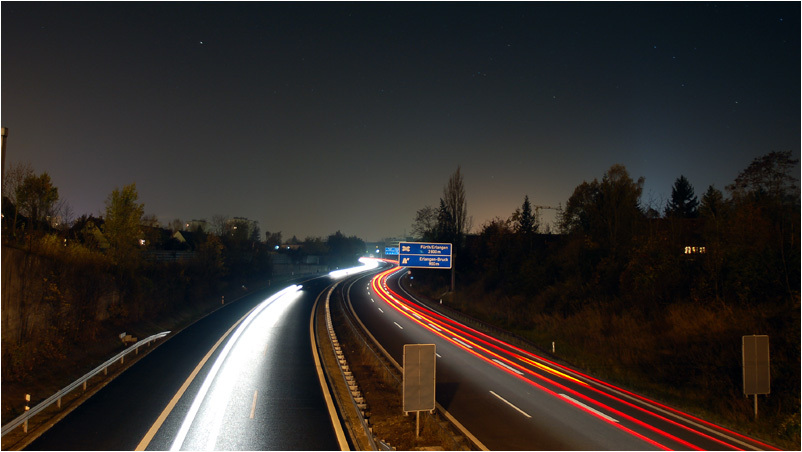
(429, 249)
(391, 251)
(757, 378)
(425, 261)
(419, 377)
(425, 255)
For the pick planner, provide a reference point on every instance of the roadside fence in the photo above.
(56, 398)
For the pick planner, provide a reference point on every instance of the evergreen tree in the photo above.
(525, 221)
(683, 202)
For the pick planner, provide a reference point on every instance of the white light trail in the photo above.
(367, 264)
(178, 442)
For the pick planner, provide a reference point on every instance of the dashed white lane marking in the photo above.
(463, 343)
(372, 300)
(380, 310)
(438, 355)
(438, 329)
(577, 402)
(510, 404)
(396, 324)
(417, 316)
(253, 405)
(502, 363)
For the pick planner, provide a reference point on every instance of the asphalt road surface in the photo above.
(511, 399)
(254, 388)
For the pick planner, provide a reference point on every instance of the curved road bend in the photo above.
(510, 399)
(266, 394)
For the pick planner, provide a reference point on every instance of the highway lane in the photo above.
(265, 392)
(512, 399)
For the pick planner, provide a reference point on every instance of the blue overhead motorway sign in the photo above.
(391, 251)
(424, 255)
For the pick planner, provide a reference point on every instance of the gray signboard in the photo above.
(419, 377)
(756, 365)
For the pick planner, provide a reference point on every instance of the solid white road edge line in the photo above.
(335, 419)
(510, 404)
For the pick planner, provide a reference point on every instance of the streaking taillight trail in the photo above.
(542, 373)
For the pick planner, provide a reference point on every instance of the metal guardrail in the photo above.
(356, 395)
(56, 398)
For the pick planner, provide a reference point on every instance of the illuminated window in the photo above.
(695, 250)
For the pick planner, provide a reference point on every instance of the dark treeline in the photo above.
(70, 283)
(656, 300)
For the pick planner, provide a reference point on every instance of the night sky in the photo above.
(312, 118)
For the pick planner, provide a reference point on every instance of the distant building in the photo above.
(187, 238)
(234, 224)
(197, 225)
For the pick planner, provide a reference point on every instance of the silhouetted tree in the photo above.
(345, 250)
(425, 225)
(36, 197)
(122, 224)
(770, 176)
(765, 199)
(445, 231)
(219, 224)
(683, 202)
(524, 221)
(272, 239)
(607, 211)
(713, 212)
(12, 180)
(456, 208)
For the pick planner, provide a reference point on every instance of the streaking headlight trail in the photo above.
(367, 264)
(218, 401)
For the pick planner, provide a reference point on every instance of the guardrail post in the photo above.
(58, 403)
(105, 371)
(84, 385)
(27, 407)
